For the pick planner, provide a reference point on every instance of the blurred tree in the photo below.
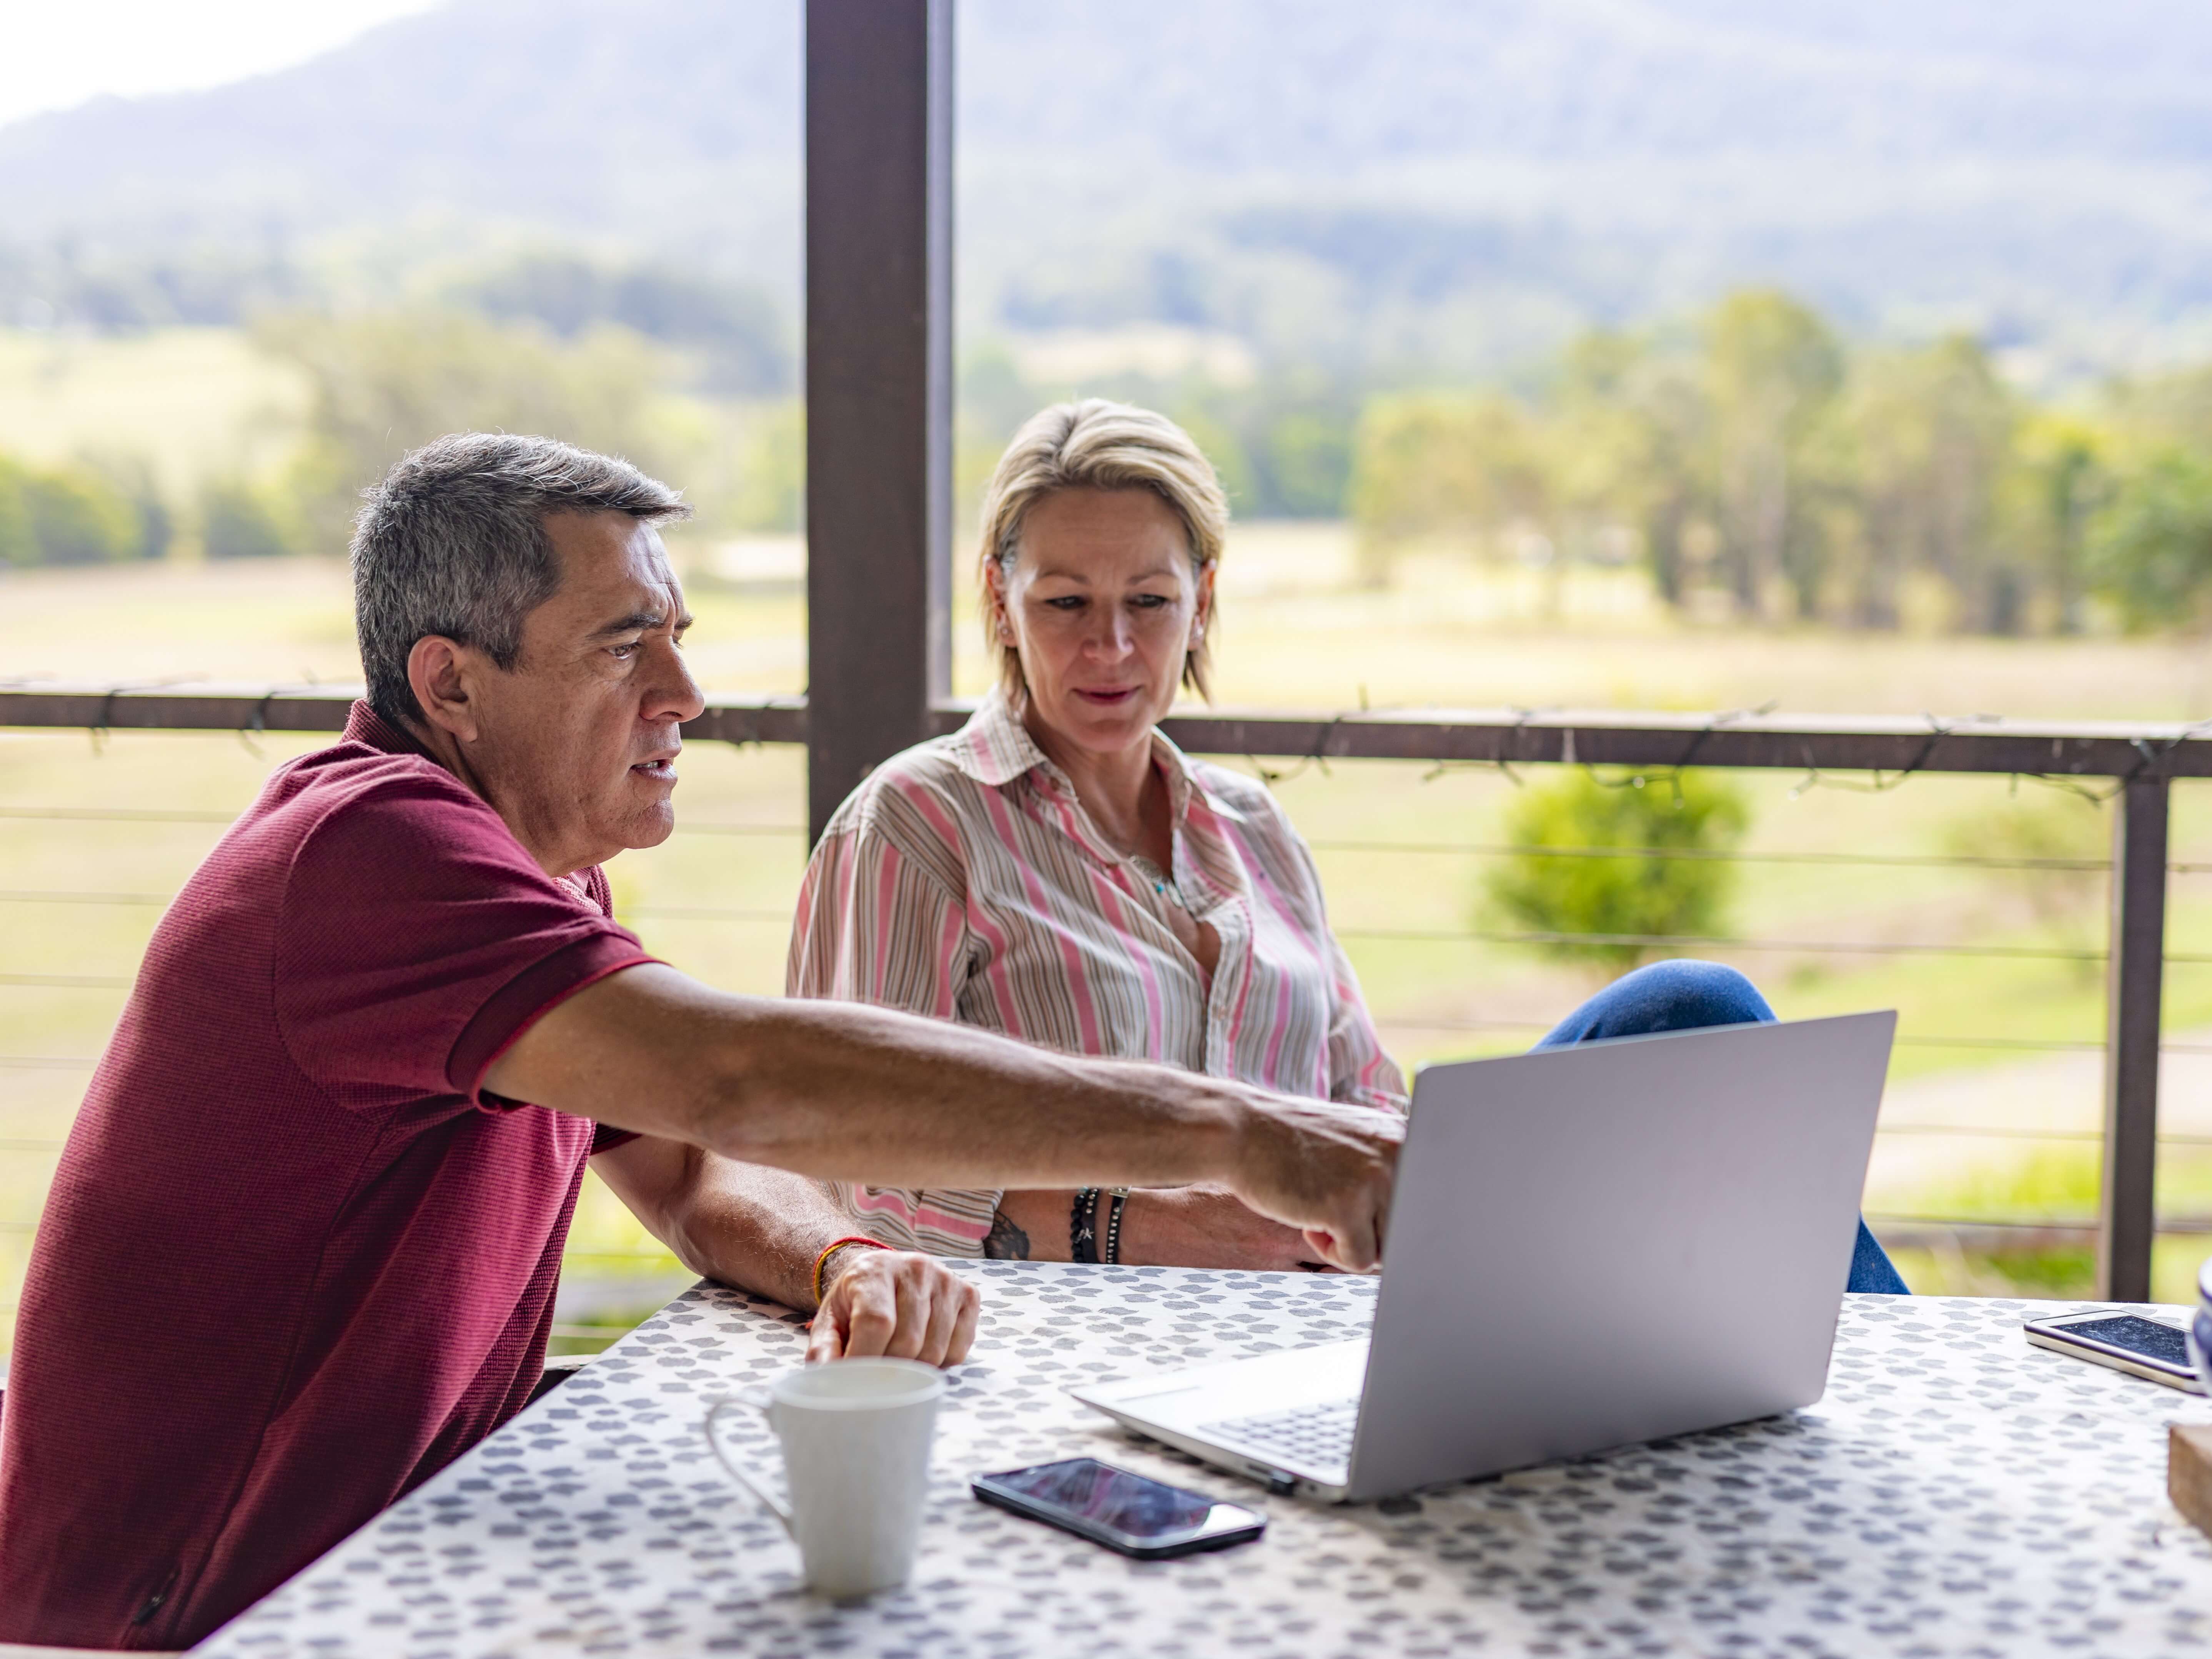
(2151, 548)
(2149, 539)
(1694, 811)
(19, 544)
(995, 398)
(132, 476)
(238, 521)
(1436, 464)
(2061, 476)
(736, 331)
(384, 383)
(77, 517)
(2173, 408)
(1219, 442)
(772, 481)
(1972, 419)
(1632, 444)
(1916, 449)
(1771, 368)
(1308, 462)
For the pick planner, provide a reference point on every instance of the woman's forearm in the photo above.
(1031, 1226)
(1188, 1227)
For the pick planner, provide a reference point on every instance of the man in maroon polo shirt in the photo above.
(300, 1250)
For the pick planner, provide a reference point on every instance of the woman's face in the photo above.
(1102, 604)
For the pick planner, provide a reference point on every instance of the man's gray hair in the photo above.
(453, 543)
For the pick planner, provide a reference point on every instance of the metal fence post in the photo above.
(2127, 1209)
(878, 383)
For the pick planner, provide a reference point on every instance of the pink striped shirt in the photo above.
(964, 880)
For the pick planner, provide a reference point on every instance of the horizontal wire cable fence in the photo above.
(2130, 766)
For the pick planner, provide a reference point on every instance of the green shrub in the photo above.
(237, 522)
(131, 476)
(19, 544)
(2152, 548)
(1546, 893)
(2053, 828)
(78, 518)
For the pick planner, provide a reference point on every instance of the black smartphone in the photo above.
(1124, 1511)
(2154, 1349)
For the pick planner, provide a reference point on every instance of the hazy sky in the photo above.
(52, 56)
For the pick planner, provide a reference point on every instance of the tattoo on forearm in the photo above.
(1005, 1242)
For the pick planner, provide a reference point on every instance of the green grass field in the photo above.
(1292, 636)
(193, 402)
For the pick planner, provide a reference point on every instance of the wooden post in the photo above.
(2127, 1209)
(878, 383)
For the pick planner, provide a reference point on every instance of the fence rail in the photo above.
(1892, 748)
(2129, 764)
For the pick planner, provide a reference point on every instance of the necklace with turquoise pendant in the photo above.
(1163, 883)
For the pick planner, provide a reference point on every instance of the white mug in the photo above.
(855, 1435)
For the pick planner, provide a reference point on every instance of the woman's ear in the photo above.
(995, 602)
(1201, 611)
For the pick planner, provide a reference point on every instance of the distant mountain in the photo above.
(669, 123)
(1419, 182)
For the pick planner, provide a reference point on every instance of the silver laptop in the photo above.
(1589, 1246)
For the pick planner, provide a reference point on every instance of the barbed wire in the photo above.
(1881, 782)
(1723, 942)
(1721, 855)
(1318, 756)
(249, 735)
(1671, 775)
(1498, 762)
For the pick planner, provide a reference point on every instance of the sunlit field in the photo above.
(1963, 1112)
(197, 403)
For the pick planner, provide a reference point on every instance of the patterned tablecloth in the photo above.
(1956, 1493)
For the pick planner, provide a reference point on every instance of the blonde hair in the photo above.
(1095, 444)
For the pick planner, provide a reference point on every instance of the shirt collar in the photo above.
(994, 748)
(365, 726)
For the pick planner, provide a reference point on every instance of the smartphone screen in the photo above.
(2137, 1334)
(1083, 1488)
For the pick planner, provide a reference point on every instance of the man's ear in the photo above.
(442, 673)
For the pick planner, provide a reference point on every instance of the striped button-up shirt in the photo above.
(963, 880)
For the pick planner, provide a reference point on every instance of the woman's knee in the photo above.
(1685, 994)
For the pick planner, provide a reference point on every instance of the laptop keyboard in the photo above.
(1311, 1437)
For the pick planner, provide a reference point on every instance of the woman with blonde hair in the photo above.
(1058, 871)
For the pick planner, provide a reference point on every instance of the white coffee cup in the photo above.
(855, 1435)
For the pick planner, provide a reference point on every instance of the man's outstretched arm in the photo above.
(762, 1230)
(844, 1091)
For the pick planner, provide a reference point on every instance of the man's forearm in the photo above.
(756, 1229)
(950, 1106)
(843, 1091)
(761, 1230)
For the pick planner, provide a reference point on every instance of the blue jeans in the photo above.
(1681, 996)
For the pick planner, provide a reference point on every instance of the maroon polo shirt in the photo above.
(295, 1260)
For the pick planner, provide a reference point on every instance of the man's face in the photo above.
(576, 746)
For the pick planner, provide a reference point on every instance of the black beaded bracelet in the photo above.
(1083, 1226)
(1117, 1196)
